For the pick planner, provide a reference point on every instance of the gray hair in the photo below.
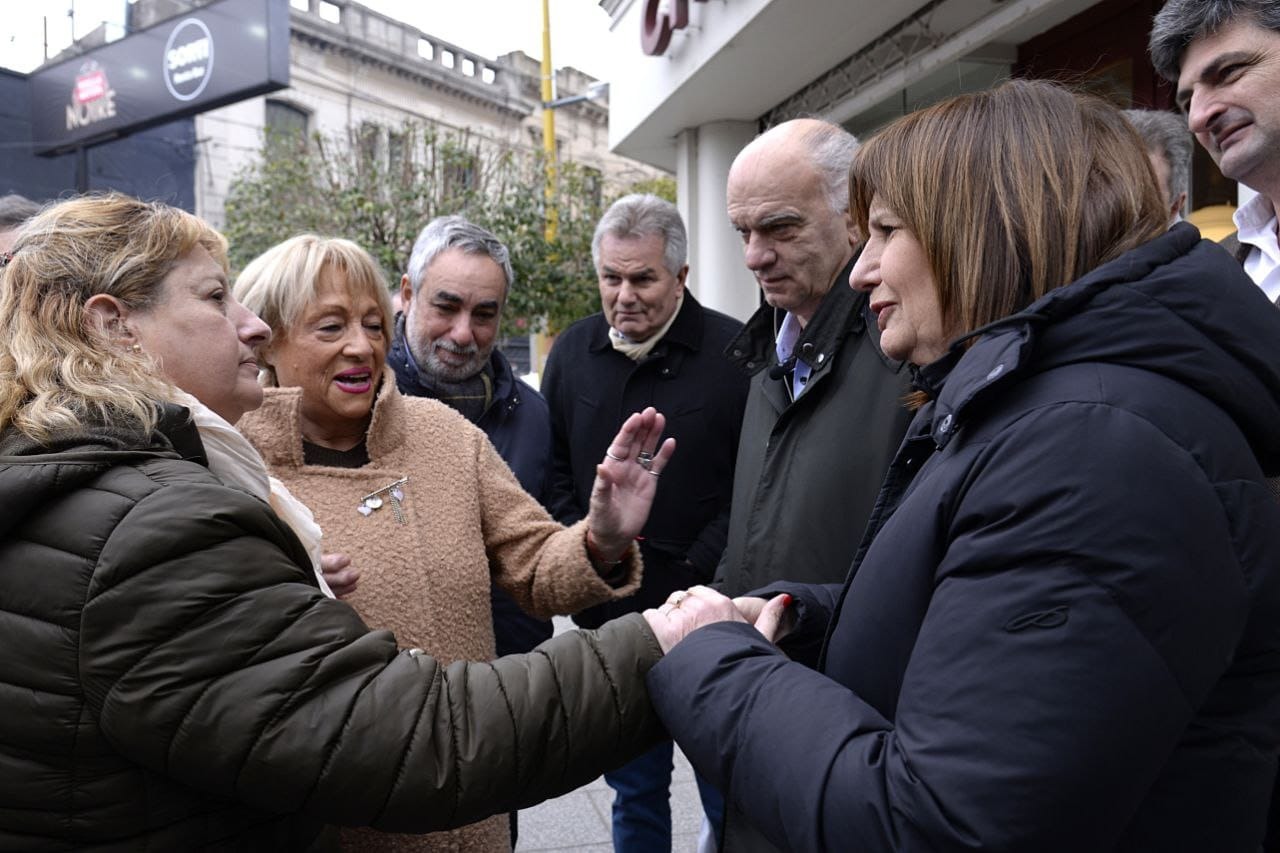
(831, 149)
(16, 209)
(1181, 22)
(457, 232)
(1166, 133)
(644, 215)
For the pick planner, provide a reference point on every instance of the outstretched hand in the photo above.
(688, 610)
(626, 480)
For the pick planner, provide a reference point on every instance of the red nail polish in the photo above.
(786, 600)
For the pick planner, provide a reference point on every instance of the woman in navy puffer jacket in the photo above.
(1062, 631)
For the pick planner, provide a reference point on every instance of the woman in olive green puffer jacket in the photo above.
(173, 677)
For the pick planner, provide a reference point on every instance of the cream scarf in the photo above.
(234, 461)
(637, 350)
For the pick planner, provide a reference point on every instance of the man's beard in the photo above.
(433, 365)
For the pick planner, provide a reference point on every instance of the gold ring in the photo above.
(609, 453)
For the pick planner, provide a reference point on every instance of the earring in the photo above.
(137, 347)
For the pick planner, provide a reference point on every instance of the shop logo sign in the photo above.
(659, 20)
(92, 98)
(188, 59)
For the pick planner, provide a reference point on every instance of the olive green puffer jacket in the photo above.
(172, 679)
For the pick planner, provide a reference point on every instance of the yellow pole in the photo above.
(549, 126)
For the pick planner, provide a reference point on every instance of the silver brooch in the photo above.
(394, 494)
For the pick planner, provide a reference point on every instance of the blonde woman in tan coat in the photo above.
(412, 491)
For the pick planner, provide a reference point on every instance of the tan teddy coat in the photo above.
(427, 580)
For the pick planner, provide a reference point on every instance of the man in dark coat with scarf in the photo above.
(445, 348)
(652, 345)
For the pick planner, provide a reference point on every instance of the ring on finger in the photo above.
(614, 456)
(645, 459)
(653, 472)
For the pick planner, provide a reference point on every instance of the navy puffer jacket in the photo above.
(1063, 630)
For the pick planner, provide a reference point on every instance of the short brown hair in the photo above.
(57, 367)
(1011, 192)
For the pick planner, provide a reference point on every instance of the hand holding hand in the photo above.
(688, 610)
(339, 574)
(626, 480)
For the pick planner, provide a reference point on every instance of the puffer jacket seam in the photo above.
(1209, 483)
(564, 715)
(336, 744)
(186, 714)
(614, 692)
(402, 765)
(511, 712)
(285, 705)
(457, 757)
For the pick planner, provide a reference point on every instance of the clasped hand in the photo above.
(688, 610)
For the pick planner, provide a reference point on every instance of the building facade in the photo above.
(351, 67)
(696, 80)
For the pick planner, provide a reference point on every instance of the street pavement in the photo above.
(579, 822)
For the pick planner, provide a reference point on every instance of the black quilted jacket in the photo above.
(171, 678)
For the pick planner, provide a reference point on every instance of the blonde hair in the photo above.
(1011, 192)
(58, 367)
(279, 284)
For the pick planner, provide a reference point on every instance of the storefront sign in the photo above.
(218, 54)
(659, 21)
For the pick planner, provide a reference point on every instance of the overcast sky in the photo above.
(487, 27)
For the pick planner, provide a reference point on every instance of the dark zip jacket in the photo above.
(1063, 630)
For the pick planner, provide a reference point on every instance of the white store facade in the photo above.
(740, 66)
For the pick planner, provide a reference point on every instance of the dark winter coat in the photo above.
(1064, 631)
(592, 388)
(808, 471)
(174, 680)
(518, 424)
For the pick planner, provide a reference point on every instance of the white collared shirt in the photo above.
(785, 345)
(1256, 226)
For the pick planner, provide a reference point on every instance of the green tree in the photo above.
(379, 185)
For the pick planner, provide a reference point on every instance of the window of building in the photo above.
(488, 75)
(367, 142)
(460, 174)
(395, 150)
(330, 12)
(468, 67)
(425, 49)
(446, 58)
(283, 120)
(593, 183)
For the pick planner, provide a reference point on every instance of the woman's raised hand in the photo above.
(626, 480)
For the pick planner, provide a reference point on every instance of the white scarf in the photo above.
(636, 350)
(236, 463)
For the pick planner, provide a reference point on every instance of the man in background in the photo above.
(825, 413)
(14, 210)
(1224, 58)
(1168, 146)
(652, 344)
(445, 348)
